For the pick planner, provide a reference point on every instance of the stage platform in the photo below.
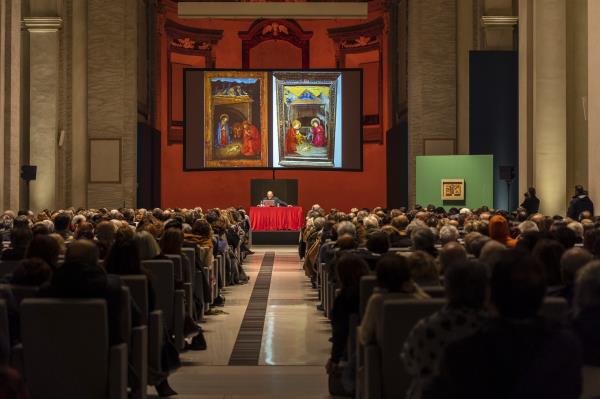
(285, 237)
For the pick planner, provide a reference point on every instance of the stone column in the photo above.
(525, 94)
(593, 103)
(431, 78)
(549, 104)
(10, 103)
(43, 78)
(79, 106)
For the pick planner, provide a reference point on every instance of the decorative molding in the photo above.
(42, 24)
(187, 40)
(263, 30)
(499, 21)
(363, 38)
(249, 10)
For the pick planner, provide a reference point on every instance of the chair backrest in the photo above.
(138, 288)
(190, 252)
(434, 291)
(398, 318)
(124, 315)
(8, 266)
(163, 282)
(65, 348)
(20, 292)
(4, 331)
(367, 285)
(178, 266)
(555, 308)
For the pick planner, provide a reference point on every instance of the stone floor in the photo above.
(294, 345)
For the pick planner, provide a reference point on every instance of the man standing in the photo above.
(580, 203)
(531, 202)
(276, 200)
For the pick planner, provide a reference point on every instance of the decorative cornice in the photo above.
(497, 20)
(42, 24)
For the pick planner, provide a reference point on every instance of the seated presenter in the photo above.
(276, 200)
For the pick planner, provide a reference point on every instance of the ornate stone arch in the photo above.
(262, 30)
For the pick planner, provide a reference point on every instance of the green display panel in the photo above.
(476, 170)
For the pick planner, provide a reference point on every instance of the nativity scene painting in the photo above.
(236, 119)
(306, 117)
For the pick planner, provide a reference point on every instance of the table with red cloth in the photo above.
(272, 218)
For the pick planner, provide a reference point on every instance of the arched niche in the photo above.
(186, 47)
(277, 37)
(360, 46)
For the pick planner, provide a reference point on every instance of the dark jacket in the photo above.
(531, 204)
(344, 306)
(511, 360)
(587, 326)
(579, 204)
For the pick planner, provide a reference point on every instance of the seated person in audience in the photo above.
(62, 224)
(401, 222)
(19, 240)
(578, 229)
(81, 277)
(490, 252)
(350, 269)
(571, 261)
(448, 234)
(45, 248)
(393, 282)
(31, 272)
(499, 231)
(451, 254)
(105, 236)
(586, 320)
(84, 231)
(466, 286)
(148, 248)
(394, 236)
(62, 248)
(423, 239)
(548, 253)
(423, 269)
(378, 243)
(518, 354)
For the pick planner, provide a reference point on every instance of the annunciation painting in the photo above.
(236, 119)
(453, 189)
(306, 105)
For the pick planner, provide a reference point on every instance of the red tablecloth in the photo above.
(276, 218)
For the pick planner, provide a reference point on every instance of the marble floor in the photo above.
(294, 346)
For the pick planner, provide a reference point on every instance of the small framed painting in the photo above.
(453, 189)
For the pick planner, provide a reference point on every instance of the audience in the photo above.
(393, 282)
(517, 354)
(586, 321)
(468, 349)
(466, 287)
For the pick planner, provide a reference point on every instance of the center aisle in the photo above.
(294, 346)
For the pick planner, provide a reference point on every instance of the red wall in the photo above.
(342, 190)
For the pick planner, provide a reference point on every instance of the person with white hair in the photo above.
(346, 228)
(528, 225)
(448, 234)
(578, 229)
(371, 222)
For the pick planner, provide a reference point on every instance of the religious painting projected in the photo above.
(236, 119)
(307, 127)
